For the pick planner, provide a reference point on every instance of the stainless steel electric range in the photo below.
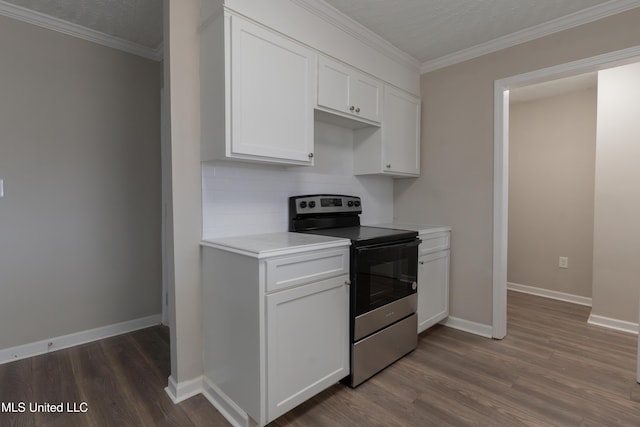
(383, 275)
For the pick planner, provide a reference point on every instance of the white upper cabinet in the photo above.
(263, 83)
(401, 132)
(258, 94)
(394, 149)
(347, 92)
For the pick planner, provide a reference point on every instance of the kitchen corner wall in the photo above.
(243, 198)
(80, 157)
(456, 181)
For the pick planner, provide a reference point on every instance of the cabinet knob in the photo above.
(388, 165)
(347, 282)
(352, 108)
(421, 262)
(311, 155)
(358, 110)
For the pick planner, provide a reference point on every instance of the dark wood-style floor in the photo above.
(551, 369)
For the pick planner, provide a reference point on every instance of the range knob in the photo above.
(357, 203)
(312, 204)
(303, 204)
(350, 203)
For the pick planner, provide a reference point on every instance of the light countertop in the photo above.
(274, 244)
(421, 229)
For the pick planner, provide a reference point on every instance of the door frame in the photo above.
(165, 200)
(501, 162)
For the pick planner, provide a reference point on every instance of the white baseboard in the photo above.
(618, 325)
(57, 343)
(469, 326)
(546, 293)
(184, 390)
(232, 412)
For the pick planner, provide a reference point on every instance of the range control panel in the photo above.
(324, 203)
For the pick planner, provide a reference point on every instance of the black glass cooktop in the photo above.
(361, 235)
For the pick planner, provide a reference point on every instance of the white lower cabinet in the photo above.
(307, 347)
(433, 279)
(276, 329)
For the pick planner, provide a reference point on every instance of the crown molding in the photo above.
(75, 30)
(358, 31)
(585, 16)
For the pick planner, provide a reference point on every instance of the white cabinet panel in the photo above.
(258, 94)
(334, 80)
(434, 242)
(299, 270)
(394, 149)
(433, 289)
(272, 87)
(401, 132)
(366, 97)
(307, 342)
(345, 91)
(275, 329)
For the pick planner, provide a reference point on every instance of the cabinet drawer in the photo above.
(286, 272)
(434, 242)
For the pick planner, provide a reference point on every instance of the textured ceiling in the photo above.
(425, 29)
(430, 29)
(138, 21)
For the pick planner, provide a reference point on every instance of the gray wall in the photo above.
(616, 270)
(80, 159)
(182, 83)
(456, 182)
(552, 148)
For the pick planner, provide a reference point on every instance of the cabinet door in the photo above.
(433, 289)
(366, 97)
(401, 132)
(345, 90)
(307, 342)
(334, 80)
(272, 96)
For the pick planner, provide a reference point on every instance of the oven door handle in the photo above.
(385, 246)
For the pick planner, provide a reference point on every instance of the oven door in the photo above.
(384, 284)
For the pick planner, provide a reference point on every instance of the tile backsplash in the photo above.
(243, 198)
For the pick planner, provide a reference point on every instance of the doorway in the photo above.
(501, 161)
(552, 159)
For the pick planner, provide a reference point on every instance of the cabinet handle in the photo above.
(389, 166)
(352, 108)
(358, 110)
(347, 282)
(311, 155)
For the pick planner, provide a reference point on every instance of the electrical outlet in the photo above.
(563, 262)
